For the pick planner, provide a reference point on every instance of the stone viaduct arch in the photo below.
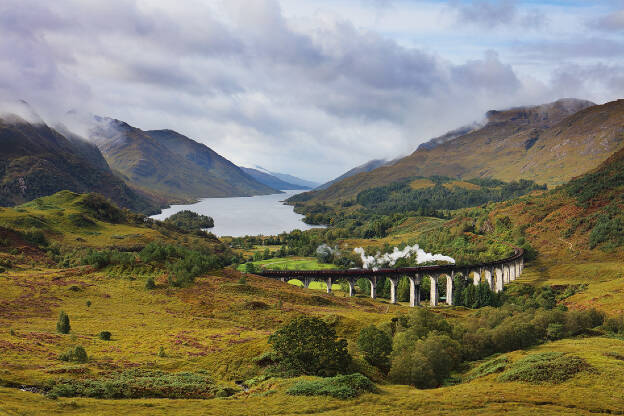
(496, 274)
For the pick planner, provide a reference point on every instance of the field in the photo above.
(290, 263)
(221, 323)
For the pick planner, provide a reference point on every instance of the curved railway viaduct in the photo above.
(496, 274)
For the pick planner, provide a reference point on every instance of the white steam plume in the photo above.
(390, 259)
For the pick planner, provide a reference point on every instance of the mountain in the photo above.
(365, 167)
(300, 183)
(447, 137)
(37, 160)
(549, 144)
(171, 165)
(270, 180)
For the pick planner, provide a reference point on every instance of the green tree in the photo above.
(363, 286)
(413, 368)
(62, 325)
(308, 345)
(250, 267)
(376, 346)
(403, 289)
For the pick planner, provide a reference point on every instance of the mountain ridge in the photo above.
(543, 143)
(38, 160)
(270, 180)
(171, 165)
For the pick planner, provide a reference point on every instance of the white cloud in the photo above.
(308, 88)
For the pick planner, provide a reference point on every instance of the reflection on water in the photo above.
(263, 214)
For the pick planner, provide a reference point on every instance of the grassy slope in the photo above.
(564, 149)
(53, 215)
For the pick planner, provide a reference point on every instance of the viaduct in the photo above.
(496, 274)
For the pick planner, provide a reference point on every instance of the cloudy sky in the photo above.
(310, 88)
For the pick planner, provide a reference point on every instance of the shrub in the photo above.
(495, 365)
(615, 325)
(265, 359)
(104, 335)
(141, 384)
(308, 345)
(80, 220)
(35, 237)
(88, 303)
(101, 208)
(578, 322)
(62, 325)
(340, 387)
(548, 367)
(376, 346)
(543, 319)
(78, 355)
(150, 284)
(555, 331)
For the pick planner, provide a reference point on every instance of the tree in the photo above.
(308, 345)
(413, 368)
(363, 286)
(250, 267)
(190, 221)
(403, 289)
(62, 325)
(376, 346)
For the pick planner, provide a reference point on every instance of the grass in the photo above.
(461, 184)
(421, 183)
(296, 263)
(587, 393)
(290, 263)
(209, 325)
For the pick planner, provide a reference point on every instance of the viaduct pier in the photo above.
(496, 274)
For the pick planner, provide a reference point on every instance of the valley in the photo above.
(311, 208)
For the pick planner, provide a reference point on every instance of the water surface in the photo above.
(255, 215)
